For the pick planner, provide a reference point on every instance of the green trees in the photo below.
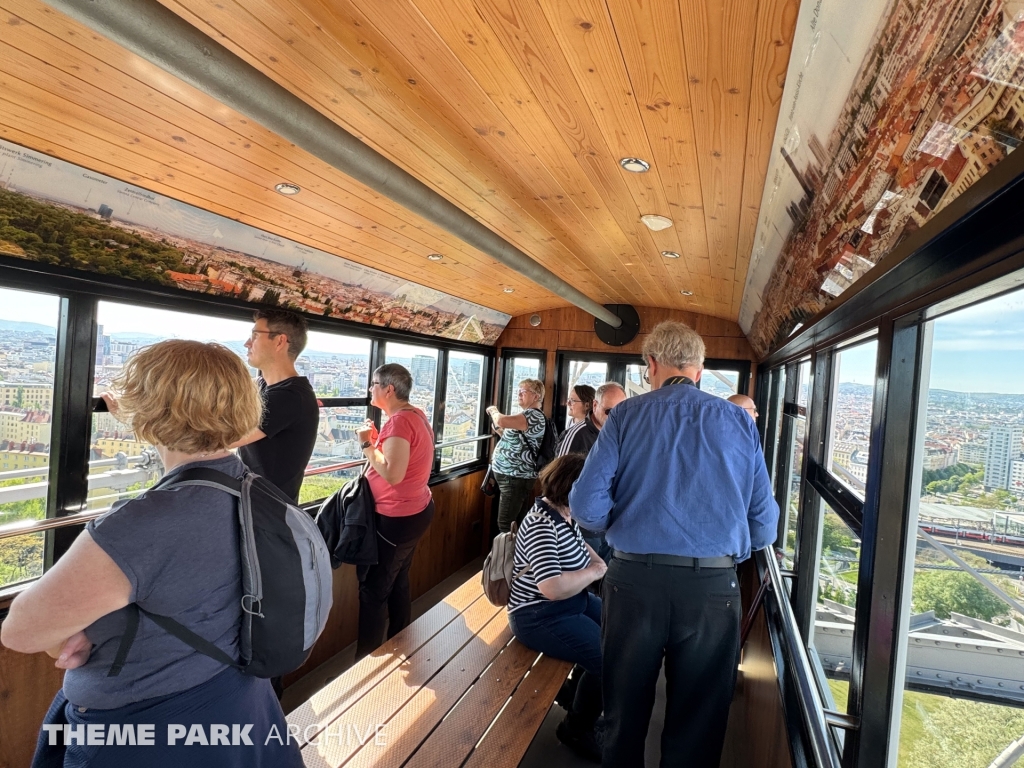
(947, 592)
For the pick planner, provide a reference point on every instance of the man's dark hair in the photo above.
(556, 478)
(288, 323)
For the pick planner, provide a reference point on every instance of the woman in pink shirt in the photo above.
(400, 460)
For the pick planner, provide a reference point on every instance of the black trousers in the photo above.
(384, 596)
(690, 619)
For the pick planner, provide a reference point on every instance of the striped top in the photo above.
(549, 548)
(578, 438)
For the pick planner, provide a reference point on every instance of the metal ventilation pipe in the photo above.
(156, 34)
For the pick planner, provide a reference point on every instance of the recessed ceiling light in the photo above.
(670, 254)
(635, 164)
(509, 290)
(687, 293)
(435, 256)
(287, 189)
(656, 222)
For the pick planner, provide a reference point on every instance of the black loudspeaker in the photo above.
(625, 333)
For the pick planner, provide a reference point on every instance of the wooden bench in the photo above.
(452, 689)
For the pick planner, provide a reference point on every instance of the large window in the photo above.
(516, 367)
(120, 464)
(28, 349)
(463, 404)
(854, 387)
(965, 638)
(792, 458)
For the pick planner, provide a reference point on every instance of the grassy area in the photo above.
(936, 731)
(850, 576)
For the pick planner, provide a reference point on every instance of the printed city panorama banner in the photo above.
(58, 213)
(891, 110)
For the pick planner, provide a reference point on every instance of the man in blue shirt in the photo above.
(678, 483)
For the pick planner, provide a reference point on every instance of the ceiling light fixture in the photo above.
(655, 222)
(686, 293)
(435, 256)
(287, 189)
(635, 165)
(509, 290)
(670, 254)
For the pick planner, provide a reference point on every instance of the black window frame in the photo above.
(74, 404)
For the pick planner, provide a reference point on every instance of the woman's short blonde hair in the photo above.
(188, 396)
(534, 385)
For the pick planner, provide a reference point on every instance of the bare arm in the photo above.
(84, 585)
(508, 422)
(252, 437)
(391, 461)
(571, 583)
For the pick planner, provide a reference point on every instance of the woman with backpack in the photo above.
(550, 609)
(516, 456)
(400, 459)
(172, 553)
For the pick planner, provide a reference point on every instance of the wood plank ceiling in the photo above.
(518, 111)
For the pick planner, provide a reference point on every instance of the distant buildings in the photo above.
(1004, 447)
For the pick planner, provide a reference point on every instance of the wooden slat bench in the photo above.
(452, 689)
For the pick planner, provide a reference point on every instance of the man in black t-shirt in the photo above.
(280, 449)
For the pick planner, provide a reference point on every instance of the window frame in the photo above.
(74, 404)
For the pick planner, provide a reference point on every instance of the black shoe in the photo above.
(584, 742)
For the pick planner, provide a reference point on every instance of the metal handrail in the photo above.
(812, 708)
(477, 439)
(26, 527)
(334, 467)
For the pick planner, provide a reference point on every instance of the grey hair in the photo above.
(674, 344)
(607, 387)
(534, 385)
(397, 376)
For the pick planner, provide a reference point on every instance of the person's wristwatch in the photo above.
(365, 444)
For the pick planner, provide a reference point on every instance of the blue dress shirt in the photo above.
(678, 471)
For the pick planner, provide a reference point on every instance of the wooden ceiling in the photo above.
(517, 111)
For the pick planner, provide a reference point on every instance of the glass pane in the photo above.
(421, 362)
(777, 408)
(635, 384)
(851, 415)
(720, 383)
(336, 444)
(804, 384)
(583, 372)
(462, 407)
(522, 368)
(966, 626)
(28, 352)
(837, 596)
(792, 507)
(121, 466)
(336, 366)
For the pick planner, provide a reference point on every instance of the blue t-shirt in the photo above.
(179, 549)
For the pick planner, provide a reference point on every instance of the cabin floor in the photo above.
(545, 750)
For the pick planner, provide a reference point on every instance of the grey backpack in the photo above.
(498, 574)
(286, 580)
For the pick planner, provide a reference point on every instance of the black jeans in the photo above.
(570, 630)
(384, 596)
(691, 619)
(515, 500)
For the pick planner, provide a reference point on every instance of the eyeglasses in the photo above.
(646, 378)
(525, 392)
(271, 334)
(573, 400)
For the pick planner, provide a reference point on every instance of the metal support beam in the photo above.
(158, 35)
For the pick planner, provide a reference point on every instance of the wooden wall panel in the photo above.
(757, 726)
(572, 329)
(29, 683)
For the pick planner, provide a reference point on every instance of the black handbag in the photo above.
(489, 487)
(348, 522)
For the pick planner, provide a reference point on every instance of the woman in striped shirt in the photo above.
(550, 609)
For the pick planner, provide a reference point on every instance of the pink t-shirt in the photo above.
(412, 494)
